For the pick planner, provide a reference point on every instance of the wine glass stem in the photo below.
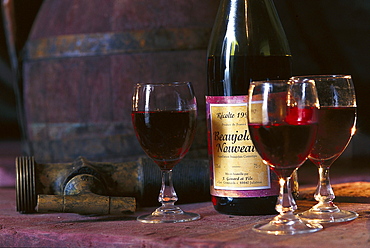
(286, 202)
(167, 195)
(324, 193)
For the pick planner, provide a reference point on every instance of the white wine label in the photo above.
(236, 163)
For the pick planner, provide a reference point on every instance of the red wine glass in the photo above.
(282, 120)
(337, 125)
(164, 118)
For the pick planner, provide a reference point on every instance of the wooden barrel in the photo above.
(83, 58)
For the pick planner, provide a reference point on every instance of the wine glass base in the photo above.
(328, 216)
(287, 227)
(168, 218)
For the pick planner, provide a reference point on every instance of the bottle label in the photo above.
(236, 165)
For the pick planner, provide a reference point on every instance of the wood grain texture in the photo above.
(212, 230)
(78, 99)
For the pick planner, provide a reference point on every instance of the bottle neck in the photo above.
(247, 43)
(248, 27)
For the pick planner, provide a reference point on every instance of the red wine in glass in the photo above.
(164, 118)
(283, 145)
(165, 136)
(336, 126)
(282, 120)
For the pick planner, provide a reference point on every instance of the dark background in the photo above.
(326, 37)
(333, 37)
(25, 13)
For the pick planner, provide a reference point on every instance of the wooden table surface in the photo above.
(212, 230)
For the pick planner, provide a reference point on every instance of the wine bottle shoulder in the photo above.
(248, 28)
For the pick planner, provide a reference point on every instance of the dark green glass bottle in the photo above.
(247, 44)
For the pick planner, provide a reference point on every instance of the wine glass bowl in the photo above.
(164, 118)
(282, 120)
(336, 126)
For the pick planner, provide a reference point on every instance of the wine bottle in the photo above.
(247, 43)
